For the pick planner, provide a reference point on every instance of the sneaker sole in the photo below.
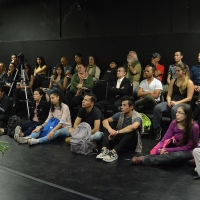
(109, 161)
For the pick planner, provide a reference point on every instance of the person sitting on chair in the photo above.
(6, 110)
(116, 90)
(3, 74)
(149, 89)
(125, 135)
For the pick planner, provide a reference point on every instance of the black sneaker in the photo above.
(158, 133)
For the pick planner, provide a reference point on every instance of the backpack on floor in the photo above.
(12, 123)
(80, 139)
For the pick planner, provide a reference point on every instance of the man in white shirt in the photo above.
(149, 90)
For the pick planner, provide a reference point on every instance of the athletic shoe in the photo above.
(22, 140)
(104, 152)
(158, 133)
(68, 140)
(110, 157)
(33, 141)
(17, 132)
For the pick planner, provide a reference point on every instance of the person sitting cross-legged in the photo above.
(184, 136)
(57, 123)
(125, 135)
(91, 115)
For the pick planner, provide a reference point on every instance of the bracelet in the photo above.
(117, 132)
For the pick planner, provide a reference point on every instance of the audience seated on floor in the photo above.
(39, 71)
(116, 90)
(3, 74)
(57, 123)
(111, 73)
(172, 69)
(39, 110)
(177, 144)
(196, 153)
(180, 91)
(149, 90)
(133, 68)
(93, 69)
(6, 108)
(58, 81)
(12, 78)
(126, 135)
(92, 115)
(81, 82)
(19, 92)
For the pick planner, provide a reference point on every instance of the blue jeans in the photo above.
(60, 132)
(96, 136)
(163, 108)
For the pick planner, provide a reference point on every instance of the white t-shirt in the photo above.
(154, 85)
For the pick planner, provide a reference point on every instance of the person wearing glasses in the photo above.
(180, 91)
(182, 136)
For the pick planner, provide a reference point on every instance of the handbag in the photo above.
(168, 143)
(53, 122)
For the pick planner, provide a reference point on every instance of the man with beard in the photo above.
(133, 68)
(149, 89)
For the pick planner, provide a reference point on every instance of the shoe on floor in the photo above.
(110, 157)
(17, 132)
(137, 160)
(68, 140)
(158, 133)
(33, 141)
(104, 152)
(22, 140)
(2, 131)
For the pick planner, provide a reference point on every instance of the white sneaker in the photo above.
(104, 152)
(110, 157)
(33, 141)
(22, 140)
(17, 132)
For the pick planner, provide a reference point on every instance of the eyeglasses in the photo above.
(179, 112)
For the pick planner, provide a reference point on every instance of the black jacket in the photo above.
(6, 107)
(42, 110)
(125, 88)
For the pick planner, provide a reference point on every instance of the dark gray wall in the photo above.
(104, 28)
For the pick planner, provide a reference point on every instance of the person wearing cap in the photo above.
(172, 69)
(160, 69)
(133, 68)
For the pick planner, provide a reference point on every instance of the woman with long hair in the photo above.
(180, 91)
(39, 110)
(39, 71)
(20, 87)
(57, 123)
(182, 136)
(58, 81)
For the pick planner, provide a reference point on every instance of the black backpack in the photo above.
(13, 122)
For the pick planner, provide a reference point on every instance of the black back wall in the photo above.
(105, 28)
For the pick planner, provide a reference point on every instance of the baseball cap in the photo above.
(155, 55)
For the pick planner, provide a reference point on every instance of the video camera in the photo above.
(21, 57)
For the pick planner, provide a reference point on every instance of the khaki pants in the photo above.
(196, 154)
(135, 85)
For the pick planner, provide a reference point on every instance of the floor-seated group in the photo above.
(72, 98)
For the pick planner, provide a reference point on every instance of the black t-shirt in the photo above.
(90, 117)
(110, 75)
